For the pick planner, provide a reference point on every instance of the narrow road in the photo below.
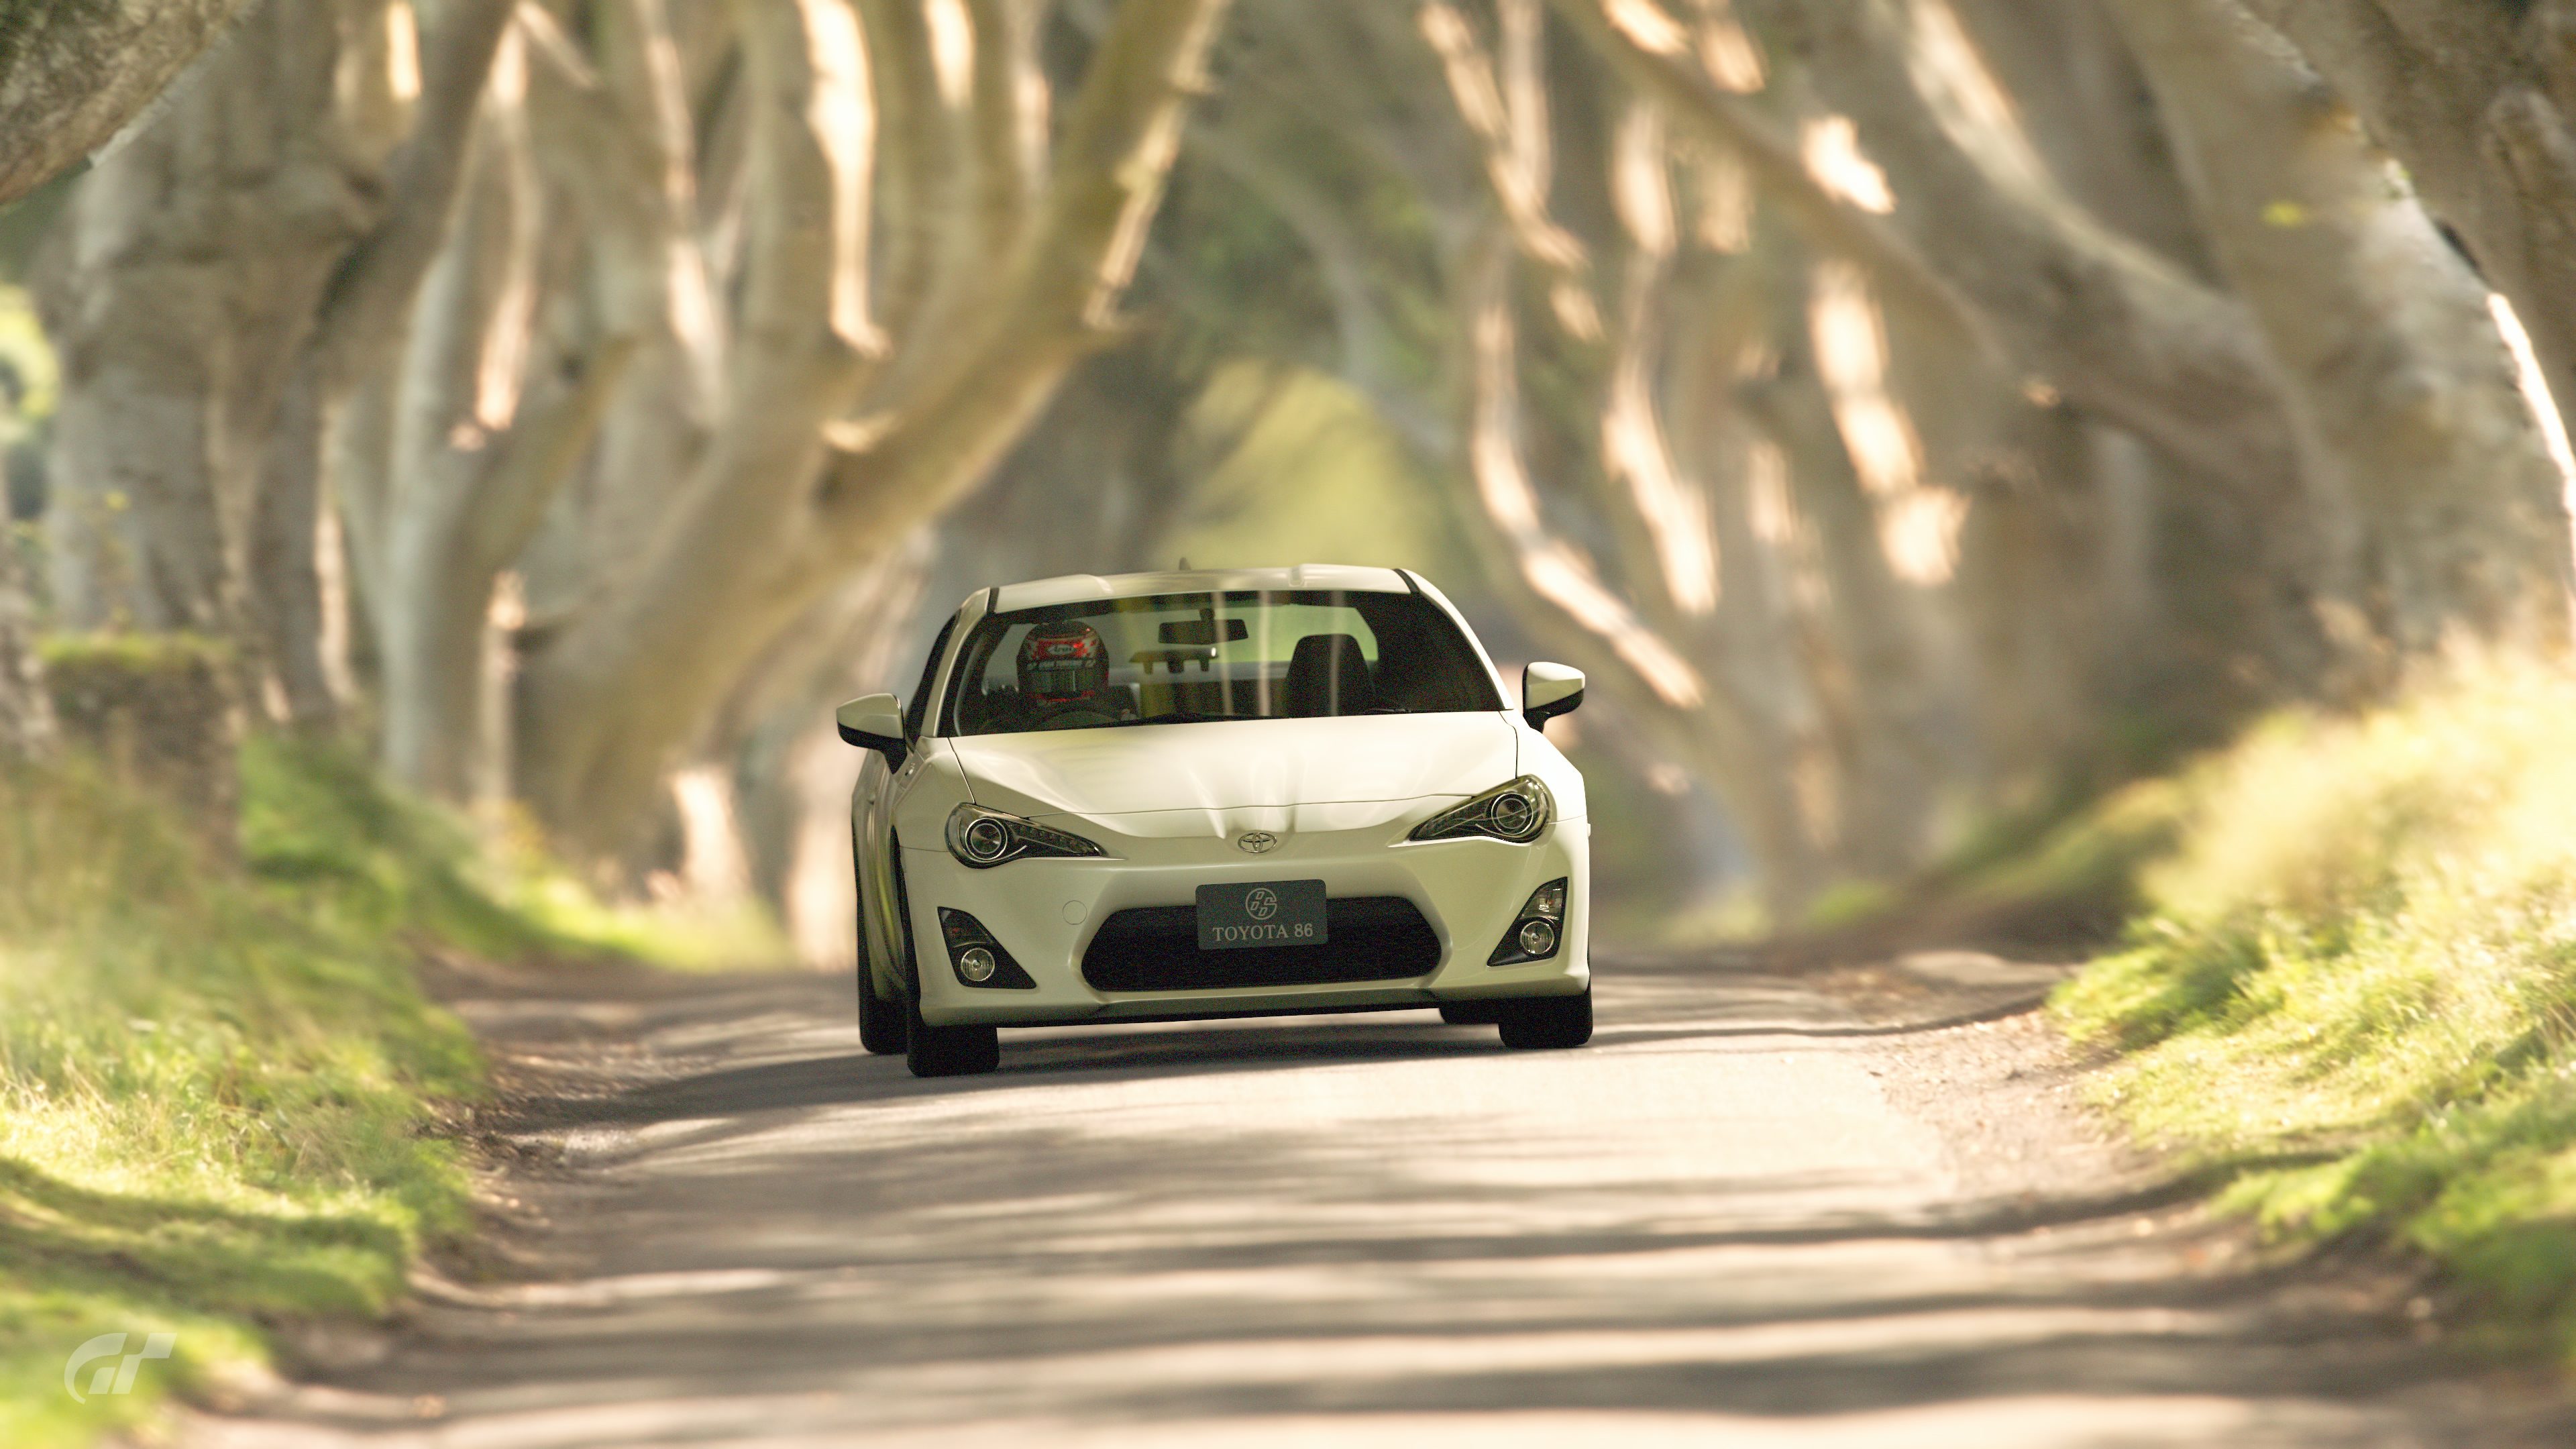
(1744, 1216)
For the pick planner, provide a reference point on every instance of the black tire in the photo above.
(1547, 1023)
(883, 1028)
(1469, 1013)
(881, 1022)
(948, 1051)
(937, 1051)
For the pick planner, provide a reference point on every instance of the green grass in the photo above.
(2353, 980)
(222, 1093)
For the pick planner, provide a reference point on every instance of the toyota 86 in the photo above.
(1203, 794)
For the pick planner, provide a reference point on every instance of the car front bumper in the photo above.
(1045, 912)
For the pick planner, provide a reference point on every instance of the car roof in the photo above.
(1075, 588)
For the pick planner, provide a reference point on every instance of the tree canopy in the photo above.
(1910, 411)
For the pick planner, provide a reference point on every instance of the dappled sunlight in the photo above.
(1831, 147)
(1851, 356)
(1203, 1230)
(1728, 51)
(821, 898)
(2087, 479)
(952, 49)
(713, 863)
(402, 50)
(1955, 78)
(1639, 184)
(1918, 524)
(842, 111)
(2545, 413)
(506, 342)
(1724, 196)
(1551, 567)
(1674, 509)
(1646, 25)
(1920, 533)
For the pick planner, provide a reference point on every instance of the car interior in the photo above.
(1176, 660)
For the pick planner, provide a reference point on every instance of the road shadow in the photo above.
(754, 1227)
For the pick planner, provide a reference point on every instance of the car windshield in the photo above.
(1189, 658)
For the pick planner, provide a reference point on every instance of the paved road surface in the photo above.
(1722, 1223)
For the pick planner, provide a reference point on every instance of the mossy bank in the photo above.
(2352, 984)
(225, 1101)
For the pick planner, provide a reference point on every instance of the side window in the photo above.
(920, 703)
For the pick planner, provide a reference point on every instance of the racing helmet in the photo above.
(1063, 662)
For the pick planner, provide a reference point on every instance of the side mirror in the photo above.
(1549, 690)
(873, 722)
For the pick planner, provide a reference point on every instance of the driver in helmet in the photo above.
(1064, 669)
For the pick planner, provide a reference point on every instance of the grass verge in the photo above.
(2353, 981)
(221, 1089)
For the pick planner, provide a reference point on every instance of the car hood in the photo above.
(1239, 764)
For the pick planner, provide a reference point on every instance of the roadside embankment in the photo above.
(2350, 986)
(226, 1105)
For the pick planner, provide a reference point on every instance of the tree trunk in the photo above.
(287, 609)
(358, 325)
(2056, 589)
(182, 285)
(26, 712)
(2440, 509)
(1865, 660)
(223, 278)
(624, 686)
(73, 75)
(1775, 790)
(2474, 100)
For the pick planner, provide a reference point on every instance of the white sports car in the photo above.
(1210, 794)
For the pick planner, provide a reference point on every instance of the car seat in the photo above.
(1327, 675)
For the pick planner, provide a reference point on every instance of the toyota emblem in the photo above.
(1258, 842)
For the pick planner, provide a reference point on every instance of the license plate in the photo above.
(1262, 913)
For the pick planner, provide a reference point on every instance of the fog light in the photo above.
(976, 964)
(1538, 932)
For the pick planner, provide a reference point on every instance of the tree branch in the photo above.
(532, 461)
(1060, 291)
(1504, 109)
(2112, 325)
(1674, 79)
(362, 314)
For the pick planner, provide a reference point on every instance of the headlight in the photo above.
(986, 838)
(1516, 812)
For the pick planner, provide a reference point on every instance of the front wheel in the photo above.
(1547, 1023)
(948, 1051)
(881, 1023)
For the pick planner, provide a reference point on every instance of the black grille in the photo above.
(1373, 938)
